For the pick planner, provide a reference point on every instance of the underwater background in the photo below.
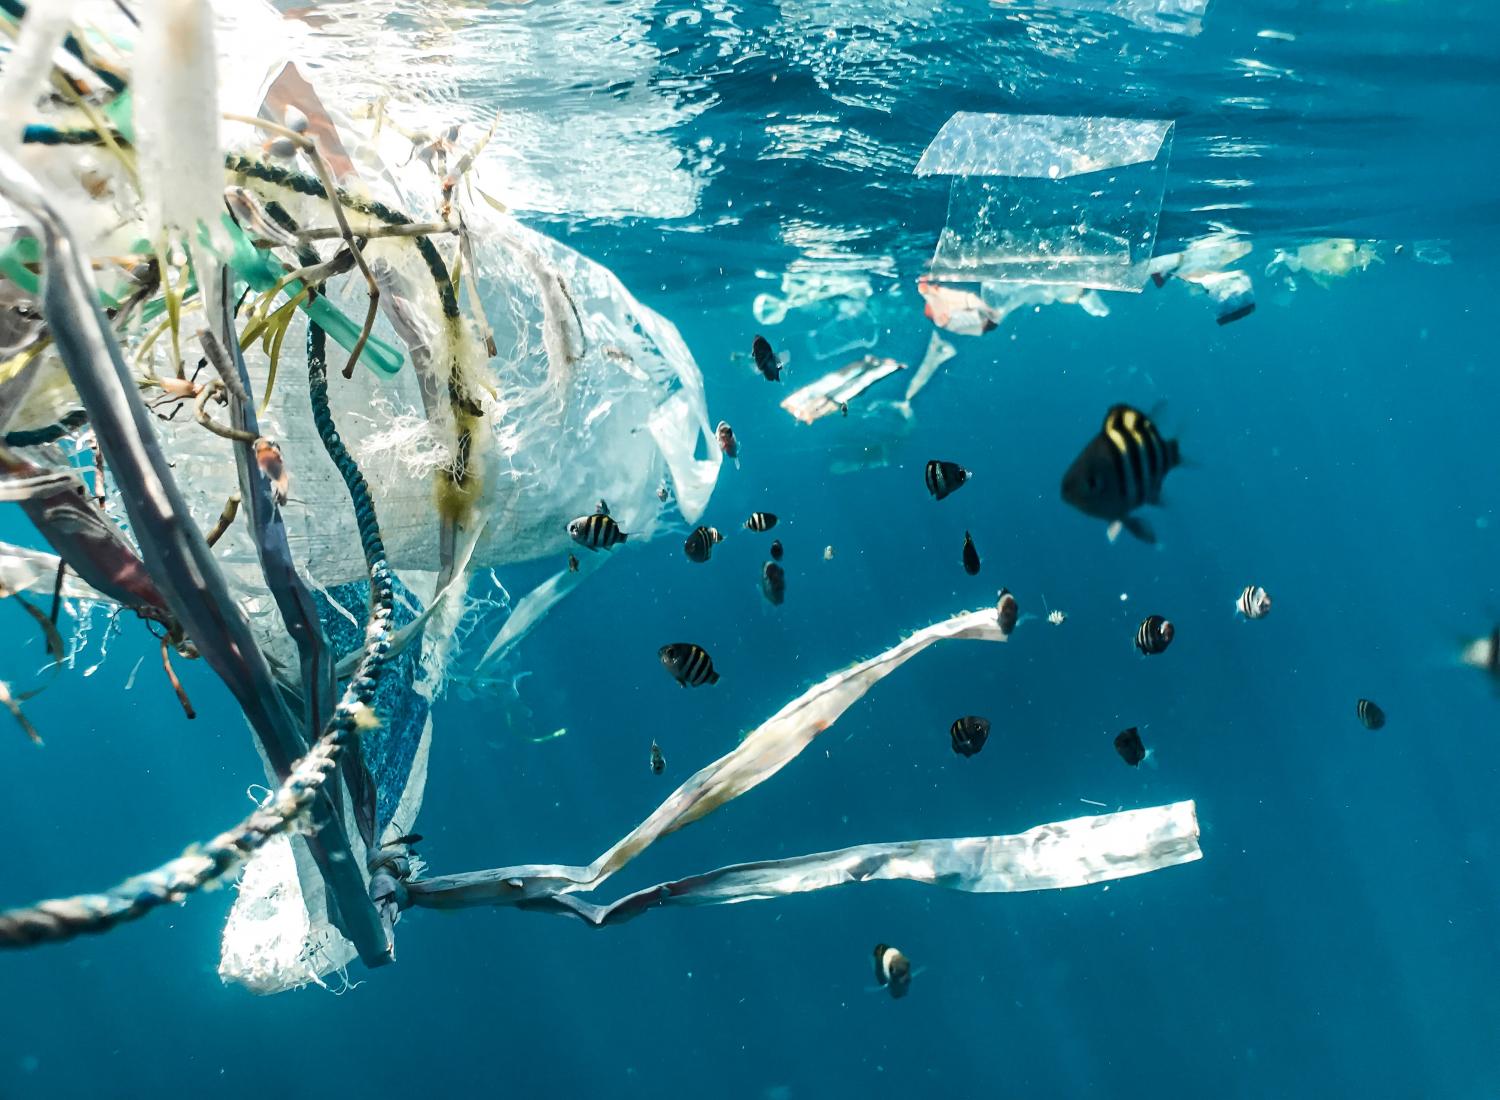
(1337, 938)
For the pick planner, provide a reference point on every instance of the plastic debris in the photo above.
(825, 396)
(1031, 201)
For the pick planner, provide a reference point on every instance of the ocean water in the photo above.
(1337, 938)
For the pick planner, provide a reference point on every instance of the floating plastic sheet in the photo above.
(828, 394)
(1325, 260)
(1071, 853)
(939, 351)
(1049, 199)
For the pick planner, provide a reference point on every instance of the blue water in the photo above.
(1338, 937)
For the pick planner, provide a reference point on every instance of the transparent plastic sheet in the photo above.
(1162, 16)
(1064, 854)
(834, 390)
(1049, 199)
(592, 394)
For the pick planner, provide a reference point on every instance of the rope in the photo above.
(64, 918)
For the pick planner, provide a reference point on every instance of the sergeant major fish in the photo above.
(1154, 635)
(761, 521)
(944, 478)
(596, 531)
(969, 734)
(1121, 469)
(658, 762)
(1254, 602)
(700, 544)
(689, 664)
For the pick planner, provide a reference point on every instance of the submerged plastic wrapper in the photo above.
(1049, 199)
(837, 388)
(1072, 853)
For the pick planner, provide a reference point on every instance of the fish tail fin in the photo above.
(623, 536)
(713, 677)
(1139, 528)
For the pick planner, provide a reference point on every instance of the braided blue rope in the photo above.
(64, 918)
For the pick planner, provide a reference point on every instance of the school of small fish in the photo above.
(1120, 470)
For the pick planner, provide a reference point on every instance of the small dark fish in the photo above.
(689, 664)
(1007, 611)
(971, 556)
(572, 563)
(761, 521)
(700, 544)
(268, 458)
(1254, 602)
(662, 492)
(944, 478)
(843, 408)
(969, 734)
(776, 550)
(1369, 714)
(892, 970)
(1130, 747)
(658, 762)
(727, 442)
(773, 582)
(765, 359)
(1154, 635)
(1121, 469)
(410, 840)
(597, 530)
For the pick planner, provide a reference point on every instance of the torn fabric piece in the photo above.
(764, 752)
(1078, 852)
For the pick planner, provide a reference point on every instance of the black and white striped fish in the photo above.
(596, 531)
(761, 521)
(773, 582)
(1121, 469)
(971, 556)
(944, 478)
(689, 664)
(1254, 602)
(1154, 635)
(969, 734)
(892, 970)
(1370, 714)
(658, 762)
(700, 544)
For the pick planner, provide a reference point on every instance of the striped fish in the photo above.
(596, 531)
(700, 544)
(689, 664)
(1370, 715)
(766, 359)
(1154, 635)
(1121, 469)
(761, 521)
(944, 478)
(1254, 602)
(969, 734)
(658, 762)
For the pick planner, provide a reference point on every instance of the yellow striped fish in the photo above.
(1121, 469)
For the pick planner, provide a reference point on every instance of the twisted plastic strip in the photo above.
(64, 918)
